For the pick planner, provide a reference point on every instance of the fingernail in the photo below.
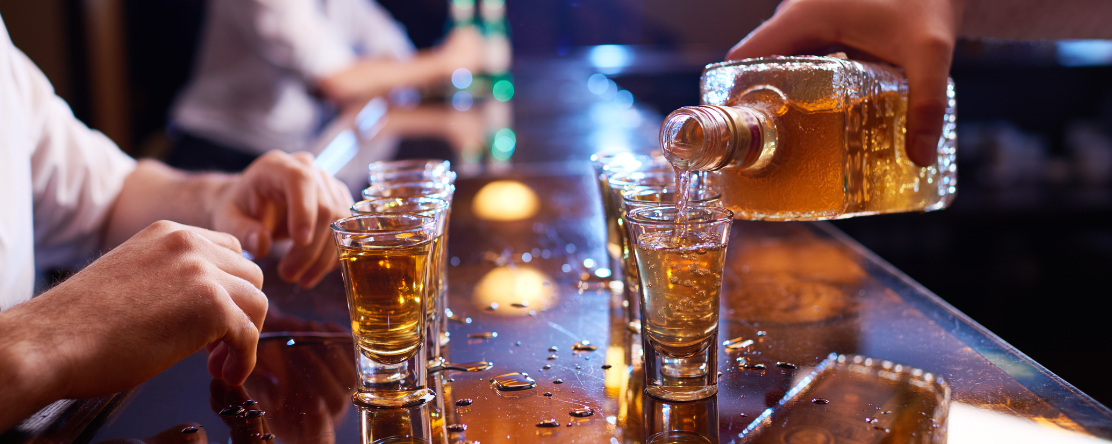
(925, 150)
(252, 243)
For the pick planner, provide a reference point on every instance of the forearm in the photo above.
(1037, 19)
(154, 191)
(29, 380)
(375, 77)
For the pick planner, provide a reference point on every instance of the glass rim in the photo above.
(443, 191)
(432, 184)
(621, 179)
(409, 165)
(386, 177)
(440, 204)
(627, 197)
(427, 222)
(718, 215)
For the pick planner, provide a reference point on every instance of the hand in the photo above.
(157, 298)
(463, 48)
(284, 196)
(917, 35)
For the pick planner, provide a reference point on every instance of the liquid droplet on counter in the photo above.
(761, 333)
(584, 346)
(582, 413)
(517, 343)
(553, 349)
(577, 367)
(232, 411)
(889, 412)
(483, 335)
(753, 366)
(267, 436)
(546, 367)
(558, 381)
(249, 402)
(493, 306)
(189, 430)
(871, 420)
(787, 365)
(552, 357)
(457, 427)
(606, 366)
(548, 394)
(820, 400)
(742, 415)
(548, 423)
(254, 413)
(521, 304)
(511, 382)
(464, 402)
(882, 429)
(737, 343)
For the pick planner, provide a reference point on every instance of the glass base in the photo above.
(683, 368)
(393, 399)
(682, 393)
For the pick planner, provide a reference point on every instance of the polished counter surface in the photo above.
(524, 291)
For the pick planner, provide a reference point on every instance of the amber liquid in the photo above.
(681, 281)
(387, 297)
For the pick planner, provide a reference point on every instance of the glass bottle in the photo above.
(808, 138)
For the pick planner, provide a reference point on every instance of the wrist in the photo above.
(31, 375)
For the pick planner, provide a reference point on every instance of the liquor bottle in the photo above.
(808, 138)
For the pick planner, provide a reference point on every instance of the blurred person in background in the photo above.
(918, 36)
(271, 73)
(164, 290)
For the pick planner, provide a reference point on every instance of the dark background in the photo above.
(1023, 250)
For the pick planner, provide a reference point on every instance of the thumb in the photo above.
(252, 233)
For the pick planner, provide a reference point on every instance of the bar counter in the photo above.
(524, 292)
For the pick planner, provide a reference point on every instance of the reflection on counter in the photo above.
(514, 290)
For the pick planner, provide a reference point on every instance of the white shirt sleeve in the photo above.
(76, 173)
(296, 35)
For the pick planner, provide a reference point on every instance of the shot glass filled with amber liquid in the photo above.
(386, 261)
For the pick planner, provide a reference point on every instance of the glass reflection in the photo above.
(395, 426)
(672, 422)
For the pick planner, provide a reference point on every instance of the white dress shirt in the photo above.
(58, 178)
(253, 83)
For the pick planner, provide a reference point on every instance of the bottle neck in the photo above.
(711, 137)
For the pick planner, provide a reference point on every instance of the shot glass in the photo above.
(657, 179)
(680, 262)
(386, 263)
(408, 170)
(607, 164)
(649, 197)
(437, 297)
(435, 190)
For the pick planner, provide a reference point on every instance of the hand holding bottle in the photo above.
(917, 35)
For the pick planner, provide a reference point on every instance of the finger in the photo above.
(327, 261)
(309, 265)
(225, 240)
(927, 102)
(789, 32)
(253, 233)
(298, 184)
(302, 257)
(243, 322)
(216, 358)
(304, 157)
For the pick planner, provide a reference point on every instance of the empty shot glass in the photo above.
(386, 262)
(437, 297)
(680, 262)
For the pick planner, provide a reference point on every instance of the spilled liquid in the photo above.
(267, 436)
(546, 367)
(606, 366)
(511, 382)
(582, 413)
(548, 423)
(820, 400)
(483, 335)
(552, 357)
(249, 402)
(464, 402)
(584, 346)
(548, 394)
(558, 381)
(456, 427)
(554, 349)
(254, 413)
(787, 365)
(753, 366)
(189, 429)
(737, 343)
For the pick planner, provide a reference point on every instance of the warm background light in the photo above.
(508, 285)
(505, 200)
